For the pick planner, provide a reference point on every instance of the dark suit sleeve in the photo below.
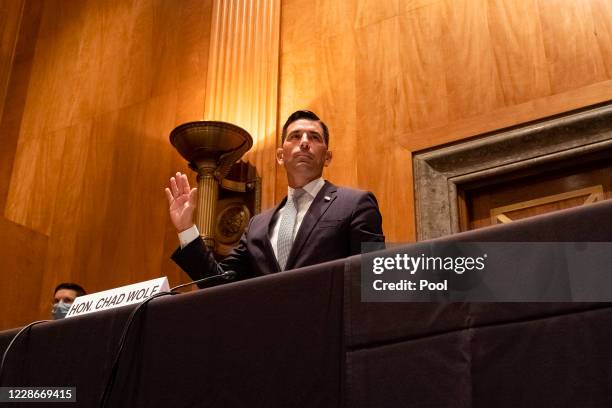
(199, 262)
(366, 223)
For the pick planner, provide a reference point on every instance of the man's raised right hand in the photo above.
(182, 200)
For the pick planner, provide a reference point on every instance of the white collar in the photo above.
(312, 188)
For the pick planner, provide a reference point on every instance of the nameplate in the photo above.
(112, 298)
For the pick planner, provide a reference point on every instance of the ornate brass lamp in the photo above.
(211, 148)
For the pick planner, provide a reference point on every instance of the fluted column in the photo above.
(242, 81)
(208, 190)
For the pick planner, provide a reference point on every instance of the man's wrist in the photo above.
(189, 235)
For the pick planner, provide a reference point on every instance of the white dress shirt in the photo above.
(312, 189)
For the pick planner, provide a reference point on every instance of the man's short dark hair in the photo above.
(305, 114)
(71, 286)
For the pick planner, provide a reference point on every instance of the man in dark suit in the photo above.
(316, 222)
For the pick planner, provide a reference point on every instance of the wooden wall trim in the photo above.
(509, 116)
(11, 13)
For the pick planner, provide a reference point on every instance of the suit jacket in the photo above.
(337, 222)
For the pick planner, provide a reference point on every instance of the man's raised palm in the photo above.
(182, 200)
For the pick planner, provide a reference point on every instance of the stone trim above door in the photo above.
(440, 172)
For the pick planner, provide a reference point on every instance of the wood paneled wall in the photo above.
(398, 76)
(96, 86)
(95, 89)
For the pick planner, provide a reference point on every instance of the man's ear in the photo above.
(328, 157)
(279, 156)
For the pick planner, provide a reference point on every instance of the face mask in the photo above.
(60, 310)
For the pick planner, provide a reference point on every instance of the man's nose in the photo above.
(304, 142)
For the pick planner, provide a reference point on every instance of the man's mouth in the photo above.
(303, 156)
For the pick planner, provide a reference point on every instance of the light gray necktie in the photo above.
(287, 227)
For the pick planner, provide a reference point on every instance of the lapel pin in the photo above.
(327, 198)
